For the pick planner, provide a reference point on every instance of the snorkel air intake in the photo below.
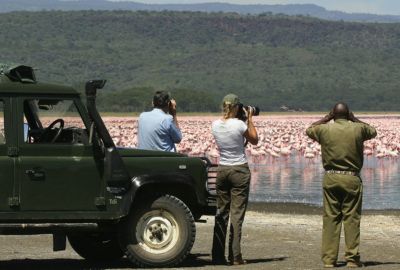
(116, 175)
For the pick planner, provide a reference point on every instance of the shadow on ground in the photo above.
(370, 263)
(198, 260)
(193, 260)
(62, 264)
(375, 263)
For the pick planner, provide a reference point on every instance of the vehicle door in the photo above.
(7, 189)
(56, 166)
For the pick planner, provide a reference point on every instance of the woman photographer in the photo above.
(233, 178)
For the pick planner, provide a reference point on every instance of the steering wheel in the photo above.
(47, 130)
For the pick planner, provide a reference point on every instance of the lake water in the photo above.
(299, 180)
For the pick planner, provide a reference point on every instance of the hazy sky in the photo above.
(361, 6)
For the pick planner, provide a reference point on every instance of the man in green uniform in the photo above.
(342, 157)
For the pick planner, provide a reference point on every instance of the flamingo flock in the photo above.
(279, 136)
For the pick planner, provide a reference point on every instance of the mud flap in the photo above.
(59, 241)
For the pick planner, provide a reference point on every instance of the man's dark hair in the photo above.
(161, 99)
(341, 111)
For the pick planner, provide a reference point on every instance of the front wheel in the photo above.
(159, 232)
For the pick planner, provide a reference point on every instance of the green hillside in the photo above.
(269, 60)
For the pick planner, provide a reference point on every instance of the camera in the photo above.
(242, 115)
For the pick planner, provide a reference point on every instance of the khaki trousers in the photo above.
(342, 204)
(232, 197)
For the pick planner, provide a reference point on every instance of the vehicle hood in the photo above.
(133, 152)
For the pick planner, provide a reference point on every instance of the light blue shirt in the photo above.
(157, 131)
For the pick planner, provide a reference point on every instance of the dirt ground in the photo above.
(289, 239)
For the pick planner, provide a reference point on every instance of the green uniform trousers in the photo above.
(342, 204)
(233, 183)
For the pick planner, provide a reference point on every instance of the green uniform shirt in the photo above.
(342, 143)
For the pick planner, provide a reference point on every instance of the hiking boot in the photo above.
(330, 265)
(352, 264)
(237, 261)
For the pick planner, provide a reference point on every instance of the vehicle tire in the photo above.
(96, 246)
(158, 233)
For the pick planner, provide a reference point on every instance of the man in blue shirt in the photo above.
(159, 129)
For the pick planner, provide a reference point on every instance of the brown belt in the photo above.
(343, 172)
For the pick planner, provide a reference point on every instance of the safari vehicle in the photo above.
(62, 174)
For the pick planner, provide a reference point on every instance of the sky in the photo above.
(356, 6)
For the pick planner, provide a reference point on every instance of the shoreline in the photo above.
(307, 209)
(262, 113)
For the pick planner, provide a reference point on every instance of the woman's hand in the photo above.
(251, 132)
(249, 113)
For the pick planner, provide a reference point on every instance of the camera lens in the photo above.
(256, 111)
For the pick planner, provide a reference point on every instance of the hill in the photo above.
(291, 9)
(269, 60)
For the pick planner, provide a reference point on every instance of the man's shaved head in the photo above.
(341, 111)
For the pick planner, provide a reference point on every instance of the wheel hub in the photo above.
(157, 231)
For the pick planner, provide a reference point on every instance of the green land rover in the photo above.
(61, 174)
